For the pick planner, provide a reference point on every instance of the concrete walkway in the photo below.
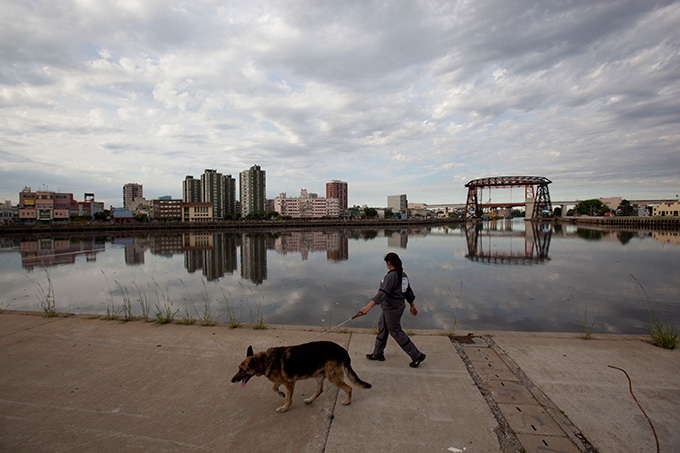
(79, 384)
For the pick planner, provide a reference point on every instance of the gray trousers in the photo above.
(390, 322)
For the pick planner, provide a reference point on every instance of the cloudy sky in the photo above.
(414, 97)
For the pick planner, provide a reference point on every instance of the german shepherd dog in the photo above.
(284, 365)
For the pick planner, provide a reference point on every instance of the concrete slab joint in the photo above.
(527, 419)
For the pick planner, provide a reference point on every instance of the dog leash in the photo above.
(336, 326)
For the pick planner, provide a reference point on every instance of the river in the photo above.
(504, 275)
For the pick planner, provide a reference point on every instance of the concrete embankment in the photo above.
(73, 228)
(655, 223)
(79, 384)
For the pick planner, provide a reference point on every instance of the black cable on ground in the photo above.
(630, 388)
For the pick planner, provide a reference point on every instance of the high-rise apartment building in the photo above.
(130, 192)
(253, 190)
(213, 191)
(191, 190)
(337, 189)
(214, 188)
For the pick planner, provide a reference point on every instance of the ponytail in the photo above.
(395, 261)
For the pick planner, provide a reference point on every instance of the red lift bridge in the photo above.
(536, 195)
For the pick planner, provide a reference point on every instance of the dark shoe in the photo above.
(417, 361)
(379, 358)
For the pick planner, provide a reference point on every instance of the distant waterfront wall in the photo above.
(72, 228)
(654, 223)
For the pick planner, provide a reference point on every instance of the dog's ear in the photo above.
(250, 351)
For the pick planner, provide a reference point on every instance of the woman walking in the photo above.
(394, 290)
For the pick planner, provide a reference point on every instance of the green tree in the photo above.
(593, 207)
(370, 212)
(102, 216)
(625, 208)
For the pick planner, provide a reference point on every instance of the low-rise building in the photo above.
(121, 215)
(88, 208)
(166, 209)
(668, 209)
(197, 211)
(44, 206)
(8, 213)
(306, 206)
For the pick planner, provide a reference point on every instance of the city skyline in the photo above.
(395, 98)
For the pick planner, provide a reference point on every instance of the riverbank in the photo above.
(655, 223)
(73, 228)
(82, 384)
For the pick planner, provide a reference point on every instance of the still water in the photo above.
(505, 275)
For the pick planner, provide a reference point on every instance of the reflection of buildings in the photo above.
(397, 239)
(254, 258)
(213, 253)
(46, 252)
(488, 243)
(334, 243)
(134, 249)
(671, 237)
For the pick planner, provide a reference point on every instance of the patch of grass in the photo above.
(185, 320)
(233, 321)
(143, 302)
(663, 335)
(585, 326)
(46, 298)
(258, 321)
(165, 313)
(110, 309)
(451, 332)
(259, 324)
(127, 303)
(206, 317)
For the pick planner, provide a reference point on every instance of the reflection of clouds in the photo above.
(318, 292)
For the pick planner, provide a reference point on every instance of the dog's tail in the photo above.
(354, 378)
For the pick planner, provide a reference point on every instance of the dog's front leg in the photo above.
(289, 397)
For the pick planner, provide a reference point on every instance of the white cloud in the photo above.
(412, 98)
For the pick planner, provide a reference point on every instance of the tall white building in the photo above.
(130, 192)
(253, 190)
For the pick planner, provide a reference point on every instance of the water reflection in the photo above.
(47, 252)
(317, 277)
(214, 254)
(489, 243)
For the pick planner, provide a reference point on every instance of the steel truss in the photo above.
(541, 194)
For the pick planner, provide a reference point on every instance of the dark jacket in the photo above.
(390, 291)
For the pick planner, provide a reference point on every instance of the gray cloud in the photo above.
(412, 98)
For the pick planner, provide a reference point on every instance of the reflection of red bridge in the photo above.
(536, 245)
